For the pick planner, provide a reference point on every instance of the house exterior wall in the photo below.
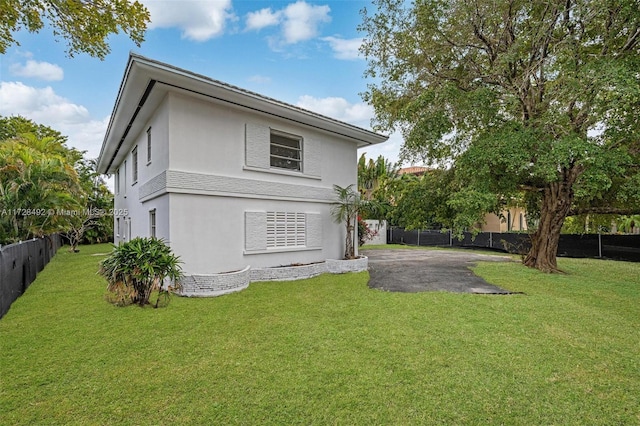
(514, 220)
(213, 240)
(210, 138)
(211, 200)
(131, 217)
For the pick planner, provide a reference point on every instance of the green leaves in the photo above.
(518, 88)
(139, 267)
(47, 187)
(470, 206)
(422, 202)
(527, 96)
(345, 210)
(85, 25)
(372, 175)
(37, 180)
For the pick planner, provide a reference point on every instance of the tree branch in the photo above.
(631, 41)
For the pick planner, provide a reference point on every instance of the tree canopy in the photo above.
(373, 174)
(47, 187)
(84, 24)
(536, 97)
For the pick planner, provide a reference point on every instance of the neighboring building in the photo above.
(514, 219)
(413, 170)
(227, 177)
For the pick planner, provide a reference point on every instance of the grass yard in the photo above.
(328, 350)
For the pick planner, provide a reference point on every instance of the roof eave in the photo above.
(140, 71)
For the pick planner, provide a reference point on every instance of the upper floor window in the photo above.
(286, 151)
(148, 145)
(117, 181)
(134, 165)
(124, 177)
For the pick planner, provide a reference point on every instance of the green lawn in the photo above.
(328, 351)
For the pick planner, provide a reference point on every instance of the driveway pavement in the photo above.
(411, 271)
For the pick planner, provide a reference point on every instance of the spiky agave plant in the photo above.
(137, 268)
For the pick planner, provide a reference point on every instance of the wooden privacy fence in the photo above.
(616, 247)
(19, 265)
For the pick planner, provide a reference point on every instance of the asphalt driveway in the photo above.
(411, 271)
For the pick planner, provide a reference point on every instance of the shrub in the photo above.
(365, 233)
(138, 268)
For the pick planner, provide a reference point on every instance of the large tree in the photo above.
(534, 96)
(84, 24)
(36, 183)
(418, 202)
(46, 186)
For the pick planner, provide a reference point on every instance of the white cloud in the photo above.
(40, 104)
(44, 106)
(344, 48)
(40, 70)
(302, 21)
(298, 22)
(198, 20)
(86, 136)
(359, 114)
(390, 149)
(262, 18)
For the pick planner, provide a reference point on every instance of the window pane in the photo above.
(285, 164)
(152, 223)
(149, 145)
(134, 154)
(285, 141)
(286, 152)
(281, 151)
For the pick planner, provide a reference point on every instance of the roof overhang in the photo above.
(146, 82)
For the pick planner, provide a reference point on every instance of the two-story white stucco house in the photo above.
(229, 178)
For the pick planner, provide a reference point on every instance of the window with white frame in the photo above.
(286, 229)
(117, 181)
(152, 223)
(149, 145)
(134, 165)
(286, 151)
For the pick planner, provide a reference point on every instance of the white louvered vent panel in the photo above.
(286, 229)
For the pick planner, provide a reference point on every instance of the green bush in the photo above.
(138, 268)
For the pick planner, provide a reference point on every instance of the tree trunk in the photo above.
(348, 243)
(556, 203)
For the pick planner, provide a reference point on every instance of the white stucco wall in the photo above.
(201, 187)
(208, 232)
(380, 227)
(133, 214)
(210, 138)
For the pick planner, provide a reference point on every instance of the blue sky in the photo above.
(300, 52)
